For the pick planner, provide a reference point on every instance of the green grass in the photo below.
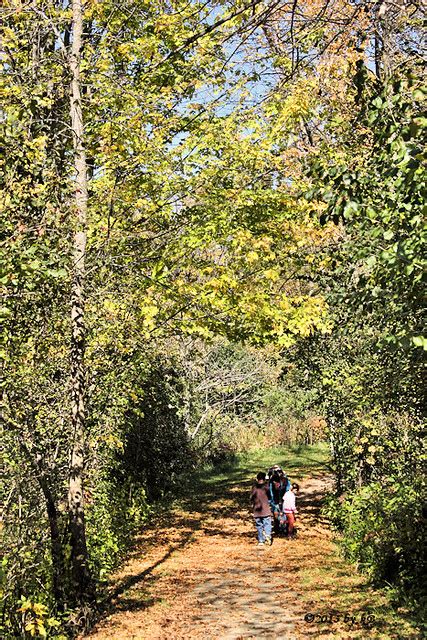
(297, 462)
(214, 481)
(302, 459)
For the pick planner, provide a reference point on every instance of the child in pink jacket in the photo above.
(289, 507)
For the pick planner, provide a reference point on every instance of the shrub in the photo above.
(383, 531)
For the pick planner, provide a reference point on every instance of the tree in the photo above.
(79, 554)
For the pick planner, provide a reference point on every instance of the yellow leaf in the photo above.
(252, 257)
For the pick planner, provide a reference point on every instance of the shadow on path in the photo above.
(133, 579)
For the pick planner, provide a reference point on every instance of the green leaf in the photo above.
(5, 312)
(420, 341)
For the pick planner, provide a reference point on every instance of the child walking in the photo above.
(289, 508)
(260, 498)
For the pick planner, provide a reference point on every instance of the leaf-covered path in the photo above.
(196, 572)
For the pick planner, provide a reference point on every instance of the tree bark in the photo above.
(58, 564)
(383, 41)
(79, 555)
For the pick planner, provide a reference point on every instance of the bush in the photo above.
(116, 514)
(383, 531)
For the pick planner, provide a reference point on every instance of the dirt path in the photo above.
(199, 574)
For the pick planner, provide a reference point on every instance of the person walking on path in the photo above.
(278, 486)
(289, 508)
(260, 498)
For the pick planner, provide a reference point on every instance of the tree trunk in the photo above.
(335, 453)
(58, 564)
(79, 555)
(383, 41)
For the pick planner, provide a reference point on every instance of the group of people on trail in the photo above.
(274, 506)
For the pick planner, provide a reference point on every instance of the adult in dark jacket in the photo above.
(260, 498)
(278, 486)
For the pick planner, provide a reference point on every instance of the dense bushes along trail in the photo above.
(197, 573)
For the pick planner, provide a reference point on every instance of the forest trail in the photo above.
(196, 572)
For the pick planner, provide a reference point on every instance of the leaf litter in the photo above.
(196, 572)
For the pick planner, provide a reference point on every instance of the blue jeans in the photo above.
(263, 526)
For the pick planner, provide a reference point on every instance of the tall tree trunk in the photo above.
(383, 41)
(79, 555)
